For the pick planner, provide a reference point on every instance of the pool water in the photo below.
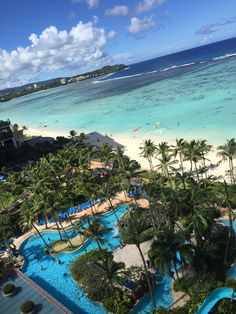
(52, 277)
(56, 278)
(162, 294)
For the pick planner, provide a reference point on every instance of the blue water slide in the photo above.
(215, 296)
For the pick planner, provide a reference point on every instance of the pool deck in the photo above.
(28, 290)
(98, 208)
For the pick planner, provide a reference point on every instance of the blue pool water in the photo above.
(63, 288)
(162, 294)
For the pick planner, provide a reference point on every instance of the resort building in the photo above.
(7, 138)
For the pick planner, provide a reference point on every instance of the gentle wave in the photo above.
(162, 70)
(177, 66)
(119, 78)
(151, 72)
(227, 55)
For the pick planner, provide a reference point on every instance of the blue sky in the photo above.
(47, 38)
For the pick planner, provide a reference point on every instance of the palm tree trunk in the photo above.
(58, 229)
(79, 232)
(195, 164)
(113, 209)
(147, 277)
(168, 176)
(67, 237)
(150, 164)
(46, 220)
(232, 170)
(40, 235)
(181, 163)
(191, 165)
(176, 270)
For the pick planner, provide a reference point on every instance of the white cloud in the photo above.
(111, 34)
(90, 3)
(140, 25)
(146, 5)
(118, 10)
(53, 51)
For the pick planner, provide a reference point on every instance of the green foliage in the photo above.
(27, 307)
(226, 306)
(8, 288)
(178, 310)
(119, 302)
(99, 275)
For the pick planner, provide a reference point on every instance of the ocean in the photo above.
(190, 94)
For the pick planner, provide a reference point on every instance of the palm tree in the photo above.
(148, 151)
(193, 154)
(6, 230)
(107, 190)
(28, 219)
(96, 230)
(73, 133)
(165, 160)
(163, 251)
(178, 150)
(109, 271)
(228, 151)
(205, 149)
(107, 155)
(132, 231)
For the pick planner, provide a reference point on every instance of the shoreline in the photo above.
(132, 145)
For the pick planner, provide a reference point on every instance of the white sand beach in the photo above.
(132, 148)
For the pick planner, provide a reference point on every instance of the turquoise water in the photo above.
(198, 102)
(162, 294)
(63, 288)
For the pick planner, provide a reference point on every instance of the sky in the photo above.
(43, 39)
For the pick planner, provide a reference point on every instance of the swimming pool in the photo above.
(63, 287)
(52, 278)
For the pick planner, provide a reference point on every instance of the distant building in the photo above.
(7, 138)
(63, 81)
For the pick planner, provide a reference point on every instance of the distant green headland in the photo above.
(10, 93)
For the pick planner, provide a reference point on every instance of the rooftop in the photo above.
(25, 291)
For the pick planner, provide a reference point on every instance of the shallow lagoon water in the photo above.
(196, 101)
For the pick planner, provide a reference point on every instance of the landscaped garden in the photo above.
(174, 212)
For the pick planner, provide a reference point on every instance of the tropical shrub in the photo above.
(8, 288)
(27, 307)
(101, 278)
